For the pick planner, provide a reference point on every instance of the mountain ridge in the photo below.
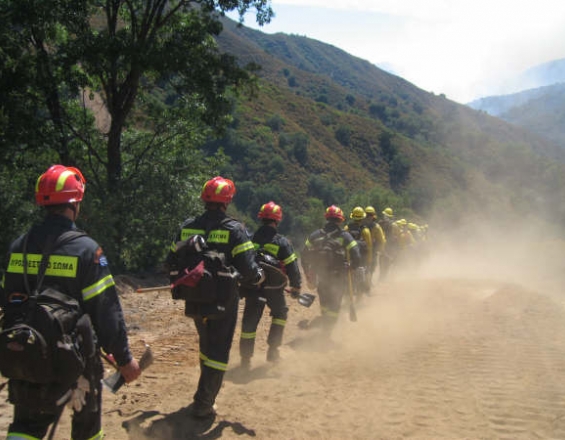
(387, 134)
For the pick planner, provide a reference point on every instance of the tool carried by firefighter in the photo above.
(304, 299)
(116, 380)
(352, 311)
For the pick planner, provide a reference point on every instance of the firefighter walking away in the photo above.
(328, 256)
(215, 322)
(276, 255)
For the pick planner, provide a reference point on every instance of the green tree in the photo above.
(155, 68)
(300, 147)
(389, 150)
(399, 172)
(343, 135)
(309, 219)
(323, 188)
(275, 122)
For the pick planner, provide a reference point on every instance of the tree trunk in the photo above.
(114, 154)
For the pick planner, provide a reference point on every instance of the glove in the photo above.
(78, 396)
(294, 292)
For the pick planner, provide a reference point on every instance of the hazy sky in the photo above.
(463, 48)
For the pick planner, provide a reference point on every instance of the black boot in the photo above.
(273, 354)
(246, 349)
(208, 388)
(275, 341)
(275, 335)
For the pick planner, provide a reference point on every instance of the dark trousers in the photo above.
(386, 261)
(86, 424)
(331, 288)
(215, 341)
(255, 302)
(374, 265)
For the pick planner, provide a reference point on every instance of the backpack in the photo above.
(386, 225)
(275, 274)
(45, 339)
(202, 278)
(356, 233)
(328, 253)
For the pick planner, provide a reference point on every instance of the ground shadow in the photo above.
(241, 375)
(316, 342)
(179, 425)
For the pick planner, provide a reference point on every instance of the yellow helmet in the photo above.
(388, 212)
(370, 210)
(413, 226)
(401, 222)
(358, 213)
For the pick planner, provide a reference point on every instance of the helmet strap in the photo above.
(73, 207)
(216, 206)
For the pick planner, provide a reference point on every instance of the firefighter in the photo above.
(327, 255)
(228, 236)
(417, 245)
(414, 230)
(61, 190)
(392, 234)
(406, 243)
(378, 238)
(406, 238)
(362, 235)
(269, 242)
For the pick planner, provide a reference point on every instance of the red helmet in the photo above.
(218, 190)
(59, 185)
(334, 212)
(270, 211)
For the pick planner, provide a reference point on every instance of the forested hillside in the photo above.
(540, 110)
(377, 135)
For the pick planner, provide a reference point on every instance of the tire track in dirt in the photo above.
(514, 368)
(467, 366)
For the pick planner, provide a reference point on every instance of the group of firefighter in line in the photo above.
(367, 243)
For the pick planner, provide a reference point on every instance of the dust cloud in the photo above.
(527, 253)
(466, 342)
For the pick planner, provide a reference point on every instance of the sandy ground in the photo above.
(445, 353)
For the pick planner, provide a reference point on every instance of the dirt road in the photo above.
(434, 356)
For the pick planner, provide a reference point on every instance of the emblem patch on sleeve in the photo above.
(99, 257)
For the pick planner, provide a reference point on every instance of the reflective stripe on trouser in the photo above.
(86, 424)
(98, 436)
(215, 337)
(330, 292)
(20, 436)
(209, 385)
(276, 333)
(246, 348)
(279, 313)
(252, 313)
